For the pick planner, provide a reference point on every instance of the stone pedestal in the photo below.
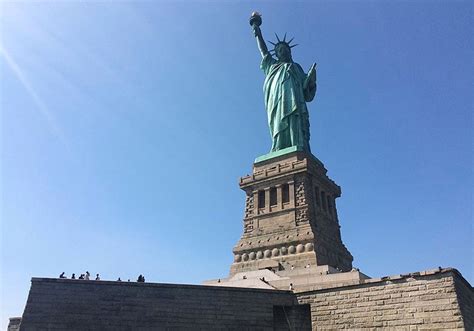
(290, 219)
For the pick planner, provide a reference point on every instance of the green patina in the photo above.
(285, 151)
(280, 152)
(286, 89)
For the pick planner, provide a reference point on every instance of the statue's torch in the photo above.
(255, 19)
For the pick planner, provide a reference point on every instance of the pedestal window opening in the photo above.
(261, 199)
(285, 190)
(273, 196)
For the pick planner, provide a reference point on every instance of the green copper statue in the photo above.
(286, 89)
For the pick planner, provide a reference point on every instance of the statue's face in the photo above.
(283, 53)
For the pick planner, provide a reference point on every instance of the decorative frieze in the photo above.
(274, 252)
(300, 194)
(302, 216)
(248, 225)
(249, 205)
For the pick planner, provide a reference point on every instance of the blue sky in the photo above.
(125, 127)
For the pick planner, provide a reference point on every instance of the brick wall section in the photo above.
(419, 301)
(466, 302)
(439, 299)
(292, 318)
(58, 304)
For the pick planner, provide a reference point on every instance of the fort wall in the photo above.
(431, 300)
(63, 304)
(440, 299)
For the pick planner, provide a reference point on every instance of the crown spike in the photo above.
(284, 37)
(291, 46)
(277, 38)
(271, 42)
(289, 41)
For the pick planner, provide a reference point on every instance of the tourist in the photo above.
(119, 280)
(73, 276)
(97, 277)
(62, 275)
(291, 287)
(88, 275)
(81, 276)
(264, 280)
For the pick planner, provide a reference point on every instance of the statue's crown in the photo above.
(282, 42)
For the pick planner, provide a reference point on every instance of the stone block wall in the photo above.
(292, 318)
(59, 304)
(466, 302)
(14, 324)
(305, 216)
(439, 299)
(432, 300)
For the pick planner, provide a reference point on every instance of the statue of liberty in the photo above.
(286, 90)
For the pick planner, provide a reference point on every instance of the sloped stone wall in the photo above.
(58, 304)
(433, 300)
(466, 302)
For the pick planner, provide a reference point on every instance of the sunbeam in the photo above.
(37, 100)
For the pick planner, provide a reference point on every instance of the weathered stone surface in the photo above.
(14, 324)
(58, 304)
(465, 297)
(296, 316)
(440, 299)
(421, 301)
(290, 216)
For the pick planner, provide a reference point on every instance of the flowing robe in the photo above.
(285, 102)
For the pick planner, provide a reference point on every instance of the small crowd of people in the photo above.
(87, 276)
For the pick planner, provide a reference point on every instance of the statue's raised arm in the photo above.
(255, 22)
